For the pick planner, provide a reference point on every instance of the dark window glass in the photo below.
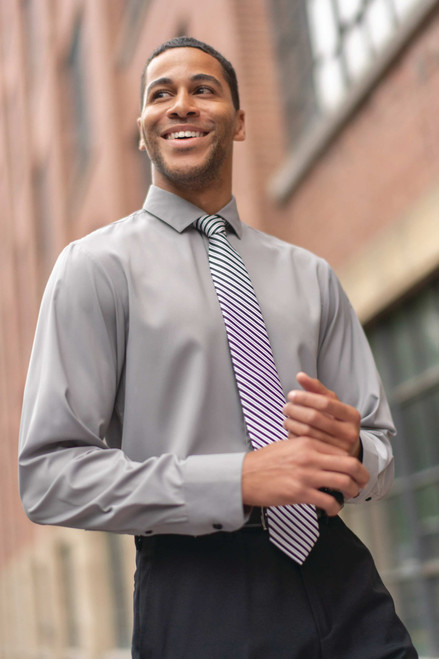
(405, 343)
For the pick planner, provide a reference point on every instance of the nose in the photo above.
(183, 105)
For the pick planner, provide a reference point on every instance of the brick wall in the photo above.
(383, 162)
(380, 167)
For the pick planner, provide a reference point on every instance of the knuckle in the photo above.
(345, 482)
(352, 435)
(353, 465)
(313, 416)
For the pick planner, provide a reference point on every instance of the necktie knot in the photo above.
(211, 225)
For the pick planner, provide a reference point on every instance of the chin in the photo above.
(196, 176)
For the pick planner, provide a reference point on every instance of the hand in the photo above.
(317, 412)
(293, 471)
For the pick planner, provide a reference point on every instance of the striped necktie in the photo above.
(292, 528)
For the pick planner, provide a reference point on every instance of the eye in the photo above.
(159, 93)
(204, 89)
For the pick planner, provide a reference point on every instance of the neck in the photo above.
(210, 199)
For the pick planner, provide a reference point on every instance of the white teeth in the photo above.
(183, 133)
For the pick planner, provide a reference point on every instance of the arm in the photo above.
(295, 470)
(69, 475)
(327, 435)
(346, 367)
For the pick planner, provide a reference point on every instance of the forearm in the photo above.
(68, 474)
(98, 488)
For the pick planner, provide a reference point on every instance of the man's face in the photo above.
(188, 122)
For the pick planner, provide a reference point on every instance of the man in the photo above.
(136, 419)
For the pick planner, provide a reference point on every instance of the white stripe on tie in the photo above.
(293, 528)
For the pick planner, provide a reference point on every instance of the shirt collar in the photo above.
(180, 214)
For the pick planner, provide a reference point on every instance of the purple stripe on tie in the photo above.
(293, 528)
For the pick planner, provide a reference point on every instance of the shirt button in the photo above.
(369, 499)
(218, 527)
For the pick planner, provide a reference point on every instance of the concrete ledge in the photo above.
(401, 257)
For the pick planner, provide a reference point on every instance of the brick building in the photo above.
(342, 157)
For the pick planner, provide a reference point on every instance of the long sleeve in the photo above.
(68, 473)
(131, 416)
(346, 365)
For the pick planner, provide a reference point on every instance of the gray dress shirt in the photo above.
(131, 418)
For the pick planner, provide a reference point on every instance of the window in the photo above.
(33, 41)
(346, 37)
(326, 47)
(295, 62)
(406, 347)
(44, 234)
(77, 103)
(134, 16)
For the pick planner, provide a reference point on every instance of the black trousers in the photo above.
(235, 596)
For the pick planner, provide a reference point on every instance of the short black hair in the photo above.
(190, 42)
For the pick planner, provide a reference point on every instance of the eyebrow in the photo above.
(198, 77)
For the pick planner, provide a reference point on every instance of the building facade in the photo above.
(342, 157)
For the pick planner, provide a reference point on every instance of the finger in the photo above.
(346, 467)
(322, 501)
(312, 422)
(321, 446)
(298, 429)
(313, 385)
(328, 406)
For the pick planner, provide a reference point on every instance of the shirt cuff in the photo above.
(371, 462)
(212, 492)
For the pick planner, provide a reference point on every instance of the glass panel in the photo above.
(323, 27)
(398, 444)
(430, 545)
(379, 20)
(356, 50)
(329, 83)
(410, 610)
(431, 411)
(404, 7)
(427, 505)
(378, 344)
(402, 357)
(424, 313)
(420, 418)
(399, 529)
(415, 430)
(78, 77)
(348, 9)
(434, 585)
(406, 346)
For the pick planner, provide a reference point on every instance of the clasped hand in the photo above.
(321, 451)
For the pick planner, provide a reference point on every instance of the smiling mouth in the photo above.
(184, 135)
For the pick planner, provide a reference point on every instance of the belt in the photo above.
(257, 521)
(258, 518)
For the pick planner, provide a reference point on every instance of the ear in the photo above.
(142, 144)
(239, 134)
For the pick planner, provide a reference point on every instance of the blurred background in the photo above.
(342, 157)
